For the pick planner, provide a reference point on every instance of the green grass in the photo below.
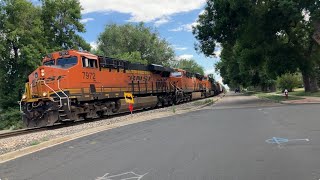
(174, 109)
(44, 139)
(35, 142)
(251, 93)
(302, 93)
(277, 98)
(207, 101)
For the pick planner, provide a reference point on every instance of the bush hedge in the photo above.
(10, 119)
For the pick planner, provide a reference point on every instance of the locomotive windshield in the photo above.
(49, 63)
(67, 62)
(176, 74)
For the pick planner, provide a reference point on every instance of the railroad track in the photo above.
(57, 126)
(20, 132)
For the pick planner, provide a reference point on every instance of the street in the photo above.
(239, 138)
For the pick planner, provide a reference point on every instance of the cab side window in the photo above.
(89, 63)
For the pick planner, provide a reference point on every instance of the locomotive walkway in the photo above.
(239, 138)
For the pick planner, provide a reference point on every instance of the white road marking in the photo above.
(281, 141)
(126, 176)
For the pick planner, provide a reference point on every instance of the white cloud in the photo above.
(184, 27)
(86, 20)
(179, 48)
(188, 27)
(142, 10)
(306, 15)
(94, 45)
(184, 56)
(202, 12)
(218, 50)
(161, 21)
(210, 71)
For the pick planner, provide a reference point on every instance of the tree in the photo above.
(129, 38)
(134, 57)
(21, 47)
(270, 36)
(28, 32)
(189, 65)
(289, 81)
(61, 20)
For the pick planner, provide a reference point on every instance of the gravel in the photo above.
(18, 142)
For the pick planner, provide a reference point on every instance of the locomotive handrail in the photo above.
(67, 97)
(20, 102)
(179, 89)
(44, 82)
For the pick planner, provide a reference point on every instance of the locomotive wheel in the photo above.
(27, 122)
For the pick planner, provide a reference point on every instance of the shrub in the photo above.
(289, 81)
(10, 119)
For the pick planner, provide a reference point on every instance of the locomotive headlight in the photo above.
(44, 94)
(42, 72)
(24, 97)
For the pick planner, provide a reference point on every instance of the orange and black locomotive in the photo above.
(74, 85)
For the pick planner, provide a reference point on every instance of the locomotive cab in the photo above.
(51, 77)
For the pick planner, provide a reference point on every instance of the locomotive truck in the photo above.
(75, 85)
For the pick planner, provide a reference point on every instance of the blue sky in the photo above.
(173, 20)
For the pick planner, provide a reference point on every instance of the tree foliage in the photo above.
(189, 65)
(21, 39)
(129, 38)
(27, 32)
(61, 22)
(263, 39)
(134, 57)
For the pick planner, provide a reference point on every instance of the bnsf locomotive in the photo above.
(73, 85)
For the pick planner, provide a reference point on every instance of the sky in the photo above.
(173, 19)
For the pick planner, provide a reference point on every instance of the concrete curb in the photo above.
(210, 103)
(298, 103)
(293, 101)
(43, 145)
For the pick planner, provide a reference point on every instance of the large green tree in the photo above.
(21, 40)
(61, 24)
(129, 38)
(270, 37)
(27, 33)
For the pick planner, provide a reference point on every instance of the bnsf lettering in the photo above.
(139, 78)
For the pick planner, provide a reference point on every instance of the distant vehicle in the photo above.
(237, 90)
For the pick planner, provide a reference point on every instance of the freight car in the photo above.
(73, 85)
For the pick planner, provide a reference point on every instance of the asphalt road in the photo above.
(237, 139)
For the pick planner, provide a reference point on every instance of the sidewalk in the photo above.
(306, 100)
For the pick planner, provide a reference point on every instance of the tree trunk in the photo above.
(306, 82)
(313, 84)
(272, 88)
